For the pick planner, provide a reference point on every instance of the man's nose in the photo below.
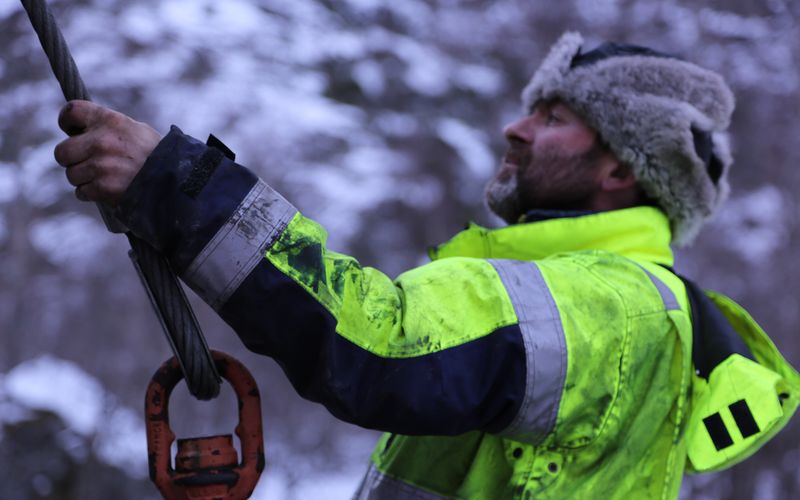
(523, 129)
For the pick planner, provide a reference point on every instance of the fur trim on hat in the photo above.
(645, 107)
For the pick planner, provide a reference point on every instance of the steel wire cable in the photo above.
(160, 282)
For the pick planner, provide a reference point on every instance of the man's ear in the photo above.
(616, 176)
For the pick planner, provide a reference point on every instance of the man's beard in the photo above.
(551, 180)
(502, 198)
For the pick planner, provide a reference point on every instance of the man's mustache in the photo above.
(517, 156)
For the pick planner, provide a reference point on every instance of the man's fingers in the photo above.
(105, 151)
(82, 173)
(81, 147)
(73, 150)
(98, 179)
(77, 116)
(93, 191)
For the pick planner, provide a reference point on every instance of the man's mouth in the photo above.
(507, 170)
(514, 158)
(507, 165)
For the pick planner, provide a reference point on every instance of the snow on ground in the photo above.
(48, 383)
(117, 433)
(72, 241)
(51, 384)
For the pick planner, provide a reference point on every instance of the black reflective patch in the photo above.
(216, 143)
(744, 418)
(718, 432)
(202, 169)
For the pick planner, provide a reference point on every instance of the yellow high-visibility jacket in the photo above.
(541, 360)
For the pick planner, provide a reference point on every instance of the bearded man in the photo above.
(557, 357)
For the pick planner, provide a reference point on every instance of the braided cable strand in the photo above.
(66, 71)
(160, 282)
(177, 319)
(55, 47)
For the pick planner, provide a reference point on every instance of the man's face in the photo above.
(551, 163)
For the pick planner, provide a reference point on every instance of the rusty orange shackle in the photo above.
(205, 468)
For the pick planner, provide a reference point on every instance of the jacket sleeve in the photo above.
(444, 349)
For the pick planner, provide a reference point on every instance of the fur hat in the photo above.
(663, 116)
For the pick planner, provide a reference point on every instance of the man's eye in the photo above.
(553, 118)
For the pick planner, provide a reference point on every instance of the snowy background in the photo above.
(379, 119)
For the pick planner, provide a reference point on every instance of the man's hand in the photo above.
(104, 152)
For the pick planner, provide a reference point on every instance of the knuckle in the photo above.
(102, 144)
(113, 118)
(107, 118)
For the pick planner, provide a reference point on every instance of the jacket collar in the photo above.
(639, 233)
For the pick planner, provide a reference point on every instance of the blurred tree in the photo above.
(381, 120)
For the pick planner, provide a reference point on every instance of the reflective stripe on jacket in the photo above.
(547, 360)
